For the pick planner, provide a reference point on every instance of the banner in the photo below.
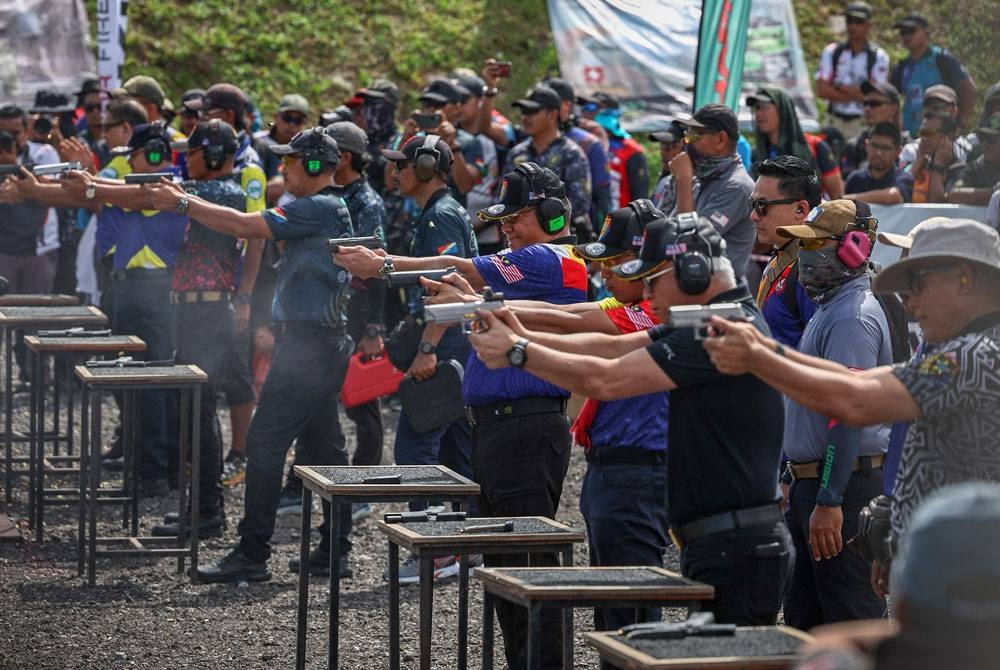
(644, 53)
(721, 47)
(43, 44)
(112, 23)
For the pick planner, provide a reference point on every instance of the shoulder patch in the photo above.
(940, 365)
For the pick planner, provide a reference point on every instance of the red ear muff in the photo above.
(854, 249)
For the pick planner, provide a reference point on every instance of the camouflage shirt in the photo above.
(567, 160)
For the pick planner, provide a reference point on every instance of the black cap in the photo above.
(314, 139)
(51, 102)
(349, 137)
(381, 89)
(760, 95)
(221, 96)
(408, 152)
(144, 132)
(675, 133)
(991, 127)
(441, 91)
(523, 187)
(859, 10)
(538, 97)
(913, 20)
(622, 231)
(560, 86)
(665, 239)
(715, 118)
(215, 132)
(473, 84)
(89, 86)
(886, 89)
(606, 100)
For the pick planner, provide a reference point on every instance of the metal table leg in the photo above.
(8, 422)
(393, 606)
(34, 437)
(534, 655)
(334, 633)
(487, 630)
(95, 482)
(463, 612)
(184, 439)
(567, 619)
(303, 615)
(195, 477)
(426, 609)
(81, 520)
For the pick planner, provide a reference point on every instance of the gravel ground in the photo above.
(141, 614)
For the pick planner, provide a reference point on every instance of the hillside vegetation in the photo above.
(326, 49)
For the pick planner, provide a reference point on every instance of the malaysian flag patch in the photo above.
(510, 273)
(639, 317)
(448, 249)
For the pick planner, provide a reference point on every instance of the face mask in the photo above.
(821, 271)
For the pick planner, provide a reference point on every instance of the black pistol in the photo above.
(147, 177)
(333, 244)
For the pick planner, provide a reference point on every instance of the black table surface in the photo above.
(348, 480)
(166, 374)
(587, 582)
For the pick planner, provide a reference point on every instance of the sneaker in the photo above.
(360, 510)
(207, 527)
(234, 567)
(445, 567)
(234, 472)
(319, 565)
(289, 503)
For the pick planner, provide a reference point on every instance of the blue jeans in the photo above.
(837, 589)
(749, 568)
(142, 308)
(625, 509)
(298, 401)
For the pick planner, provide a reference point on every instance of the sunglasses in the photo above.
(817, 244)
(761, 204)
(293, 119)
(928, 132)
(855, 21)
(651, 279)
(907, 31)
(91, 107)
(289, 159)
(916, 278)
(874, 103)
(692, 135)
(761, 105)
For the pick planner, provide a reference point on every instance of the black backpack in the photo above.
(841, 46)
(892, 306)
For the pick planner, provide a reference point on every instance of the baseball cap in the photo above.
(859, 10)
(408, 152)
(538, 97)
(472, 83)
(293, 102)
(145, 88)
(912, 20)
(314, 139)
(674, 133)
(886, 89)
(48, 101)
(560, 86)
(992, 126)
(622, 231)
(215, 132)
(713, 117)
(144, 132)
(948, 566)
(606, 100)
(222, 96)
(760, 95)
(834, 217)
(941, 92)
(441, 91)
(349, 137)
(381, 89)
(89, 86)
(665, 239)
(942, 240)
(521, 188)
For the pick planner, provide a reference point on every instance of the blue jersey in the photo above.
(550, 272)
(310, 287)
(140, 239)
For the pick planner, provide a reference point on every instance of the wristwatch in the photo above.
(426, 347)
(91, 191)
(242, 299)
(387, 268)
(183, 204)
(517, 355)
(374, 330)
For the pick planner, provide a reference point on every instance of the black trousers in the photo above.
(520, 465)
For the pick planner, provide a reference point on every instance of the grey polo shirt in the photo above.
(723, 201)
(851, 329)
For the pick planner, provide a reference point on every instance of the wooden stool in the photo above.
(32, 318)
(431, 539)
(756, 647)
(65, 346)
(344, 485)
(131, 380)
(566, 588)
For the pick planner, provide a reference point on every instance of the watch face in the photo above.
(516, 356)
(427, 348)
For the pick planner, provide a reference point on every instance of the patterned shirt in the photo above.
(207, 260)
(568, 161)
(958, 437)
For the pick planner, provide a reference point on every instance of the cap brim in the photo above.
(434, 97)
(370, 95)
(664, 137)
(497, 212)
(598, 251)
(803, 233)
(282, 110)
(527, 104)
(895, 278)
(635, 270)
(394, 155)
(907, 24)
(283, 150)
(857, 15)
(896, 240)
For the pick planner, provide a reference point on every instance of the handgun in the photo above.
(7, 170)
(464, 312)
(383, 479)
(374, 242)
(424, 515)
(147, 177)
(505, 527)
(700, 624)
(129, 362)
(698, 316)
(412, 277)
(74, 332)
(55, 168)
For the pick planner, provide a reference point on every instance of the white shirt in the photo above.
(48, 240)
(851, 70)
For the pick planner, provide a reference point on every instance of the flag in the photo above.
(722, 45)
(112, 23)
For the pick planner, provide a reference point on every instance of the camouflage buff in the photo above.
(568, 161)
(366, 208)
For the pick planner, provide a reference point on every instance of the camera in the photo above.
(502, 68)
(427, 121)
(874, 525)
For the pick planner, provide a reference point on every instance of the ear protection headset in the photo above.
(427, 158)
(156, 149)
(313, 158)
(551, 209)
(215, 151)
(645, 211)
(695, 265)
(854, 250)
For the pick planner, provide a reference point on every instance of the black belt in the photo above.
(135, 273)
(846, 117)
(814, 469)
(510, 409)
(307, 328)
(720, 523)
(626, 456)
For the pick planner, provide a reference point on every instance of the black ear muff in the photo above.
(313, 158)
(215, 153)
(427, 159)
(694, 266)
(551, 208)
(645, 210)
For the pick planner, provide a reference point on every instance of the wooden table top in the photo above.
(167, 375)
(83, 345)
(37, 300)
(420, 480)
(588, 583)
(47, 317)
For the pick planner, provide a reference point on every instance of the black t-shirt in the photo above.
(725, 432)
